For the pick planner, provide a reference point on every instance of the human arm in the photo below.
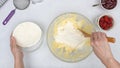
(102, 50)
(17, 53)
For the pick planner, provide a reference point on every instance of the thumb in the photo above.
(12, 42)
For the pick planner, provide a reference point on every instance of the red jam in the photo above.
(109, 4)
(106, 22)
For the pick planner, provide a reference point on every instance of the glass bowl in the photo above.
(64, 53)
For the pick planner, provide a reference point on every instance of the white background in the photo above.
(44, 13)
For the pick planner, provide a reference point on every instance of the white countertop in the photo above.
(44, 13)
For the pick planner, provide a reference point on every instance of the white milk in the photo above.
(27, 34)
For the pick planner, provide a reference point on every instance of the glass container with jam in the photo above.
(105, 22)
(108, 4)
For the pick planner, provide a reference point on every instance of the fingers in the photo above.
(94, 38)
(97, 37)
(12, 42)
(104, 36)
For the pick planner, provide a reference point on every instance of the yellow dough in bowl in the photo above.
(69, 43)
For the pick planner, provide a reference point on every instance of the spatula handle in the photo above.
(9, 17)
(111, 39)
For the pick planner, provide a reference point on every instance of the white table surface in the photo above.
(44, 13)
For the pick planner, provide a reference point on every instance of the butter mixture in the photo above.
(67, 34)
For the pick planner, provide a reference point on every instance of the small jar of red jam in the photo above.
(105, 22)
(108, 4)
